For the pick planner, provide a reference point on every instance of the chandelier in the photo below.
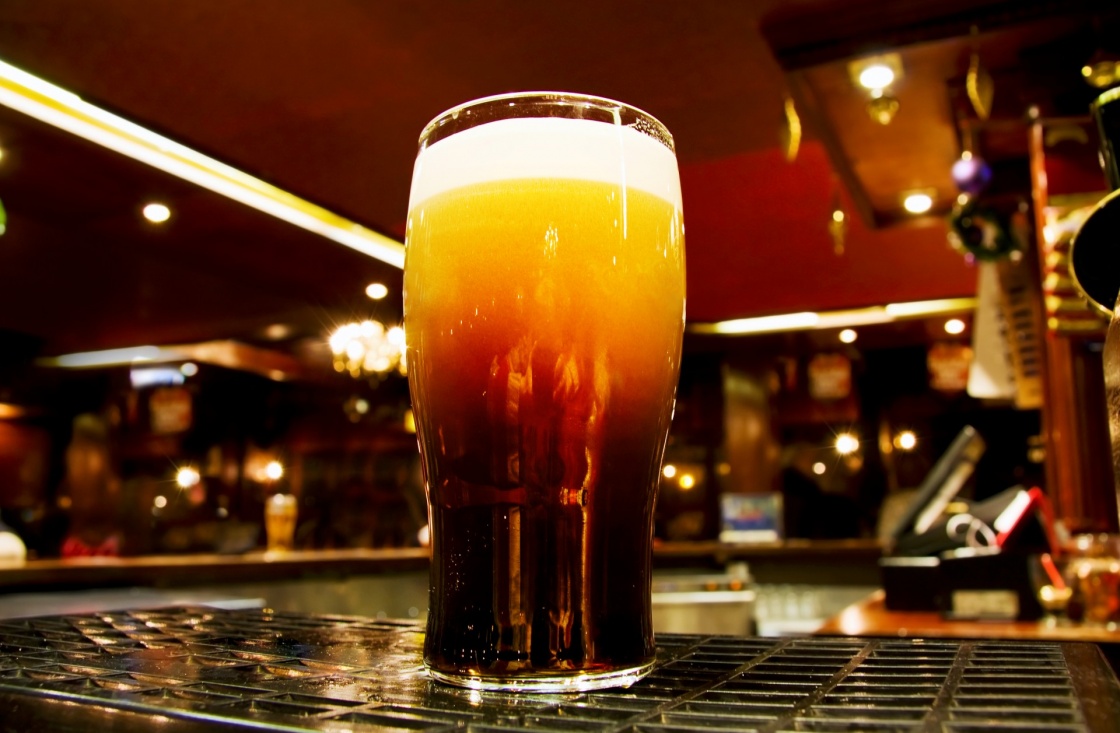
(368, 349)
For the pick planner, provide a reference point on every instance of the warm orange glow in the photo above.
(11, 412)
(906, 440)
(954, 326)
(274, 470)
(846, 444)
(187, 477)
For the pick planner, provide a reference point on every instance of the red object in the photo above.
(75, 547)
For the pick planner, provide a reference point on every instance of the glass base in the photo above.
(545, 682)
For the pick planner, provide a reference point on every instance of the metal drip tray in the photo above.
(203, 669)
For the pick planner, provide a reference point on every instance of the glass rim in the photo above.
(560, 99)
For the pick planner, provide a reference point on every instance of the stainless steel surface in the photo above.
(202, 669)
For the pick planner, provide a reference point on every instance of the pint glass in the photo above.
(544, 308)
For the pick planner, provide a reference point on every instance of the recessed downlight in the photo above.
(876, 76)
(156, 213)
(918, 202)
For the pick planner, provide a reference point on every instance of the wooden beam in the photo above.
(810, 112)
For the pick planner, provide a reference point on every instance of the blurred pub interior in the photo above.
(794, 177)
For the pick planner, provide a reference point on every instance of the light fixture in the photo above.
(274, 470)
(112, 357)
(65, 110)
(367, 349)
(848, 336)
(1101, 71)
(906, 440)
(160, 501)
(669, 471)
(954, 326)
(189, 369)
(819, 468)
(876, 75)
(187, 477)
(806, 321)
(846, 444)
(156, 213)
(687, 481)
(918, 202)
(376, 291)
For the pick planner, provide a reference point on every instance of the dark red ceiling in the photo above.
(327, 98)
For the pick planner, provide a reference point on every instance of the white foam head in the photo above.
(546, 147)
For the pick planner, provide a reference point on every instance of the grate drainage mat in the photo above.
(188, 669)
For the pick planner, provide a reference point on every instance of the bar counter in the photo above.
(200, 669)
(871, 617)
(784, 560)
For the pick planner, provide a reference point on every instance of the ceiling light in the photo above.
(819, 468)
(669, 471)
(837, 319)
(848, 336)
(157, 213)
(918, 203)
(954, 326)
(767, 324)
(687, 481)
(875, 73)
(65, 110)
(112, 357)
(876, 76)
(376, 291)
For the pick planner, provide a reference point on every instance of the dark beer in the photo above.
(544, 316)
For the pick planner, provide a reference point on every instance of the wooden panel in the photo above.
(1075, 425)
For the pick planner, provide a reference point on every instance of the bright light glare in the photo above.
(918, 203)
(274, 470)
(687, 481)
(65, 110)
(669, 471)
(187, 477)
(906, 440)
(157, 213)
(954, 326)
(376, 291)
(160, 502)
(819, 468)
(846, 444)
(848, 336)
(876, 76)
